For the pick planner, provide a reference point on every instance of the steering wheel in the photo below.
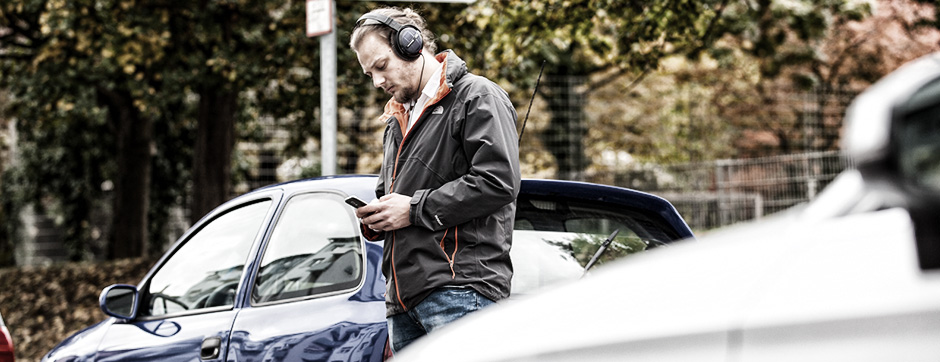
(222, 295)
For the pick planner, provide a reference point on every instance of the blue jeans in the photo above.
(442, 306)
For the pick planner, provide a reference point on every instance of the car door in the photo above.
(318, 294)
(187, 304)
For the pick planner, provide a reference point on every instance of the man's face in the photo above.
(397, 77)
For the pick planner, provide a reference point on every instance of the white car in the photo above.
(852, 276)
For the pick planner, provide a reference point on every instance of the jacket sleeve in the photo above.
(490, 144)
(371, 235)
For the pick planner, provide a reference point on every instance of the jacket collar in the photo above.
(453, 69)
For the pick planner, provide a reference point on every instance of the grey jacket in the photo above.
(460, 164)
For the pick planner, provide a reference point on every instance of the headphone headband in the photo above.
(378, 19)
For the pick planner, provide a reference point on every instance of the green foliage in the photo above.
(74, 68)
(784, 33)
(63, 146)
(595, 41)
(581, 37)
(624, 44)
(68, 65)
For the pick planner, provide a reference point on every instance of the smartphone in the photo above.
(355, 202)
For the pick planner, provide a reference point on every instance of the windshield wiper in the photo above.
(600, 251)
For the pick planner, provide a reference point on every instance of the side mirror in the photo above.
(892, 131)
(915, 137)
(119, 301)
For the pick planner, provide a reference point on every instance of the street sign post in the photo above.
(320, 23)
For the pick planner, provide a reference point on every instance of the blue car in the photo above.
(283, 274)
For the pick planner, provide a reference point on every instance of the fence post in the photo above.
(758, 206)
(811, 181)
(721, 185)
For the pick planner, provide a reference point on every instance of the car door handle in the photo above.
(210, 348)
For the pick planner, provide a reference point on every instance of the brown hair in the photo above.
(402, 16)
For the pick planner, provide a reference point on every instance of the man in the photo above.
(449, 180)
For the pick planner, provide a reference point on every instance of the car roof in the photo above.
(353, 182)
(639, 201)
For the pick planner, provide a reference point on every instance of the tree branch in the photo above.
(614, 77)
(841, 58)
(704, 43)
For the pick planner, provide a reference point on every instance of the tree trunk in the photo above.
(132, 182)
(212, 160)
(564, 137)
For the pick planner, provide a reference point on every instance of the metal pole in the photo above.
(328, 99)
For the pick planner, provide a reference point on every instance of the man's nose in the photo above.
(378, 81)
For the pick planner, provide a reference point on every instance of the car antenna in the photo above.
(600, 251)
(536, 90)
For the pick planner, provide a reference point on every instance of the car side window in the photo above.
(206, 270)
(315, 249)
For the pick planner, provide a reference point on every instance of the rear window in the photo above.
(555, 238)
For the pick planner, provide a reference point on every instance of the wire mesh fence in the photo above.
(719, 193)
(598, 137)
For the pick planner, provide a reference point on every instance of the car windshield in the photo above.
(555, 238)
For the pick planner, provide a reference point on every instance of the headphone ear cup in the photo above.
(409, 43)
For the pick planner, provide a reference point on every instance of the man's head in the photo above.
(375, 39)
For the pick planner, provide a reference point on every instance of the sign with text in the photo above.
(319, 17)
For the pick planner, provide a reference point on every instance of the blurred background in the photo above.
(122, 122)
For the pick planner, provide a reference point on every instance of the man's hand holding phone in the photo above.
(391, 212)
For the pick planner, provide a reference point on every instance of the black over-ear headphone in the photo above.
(406, 40)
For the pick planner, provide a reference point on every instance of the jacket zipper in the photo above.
(453, 256)
(391, 187)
